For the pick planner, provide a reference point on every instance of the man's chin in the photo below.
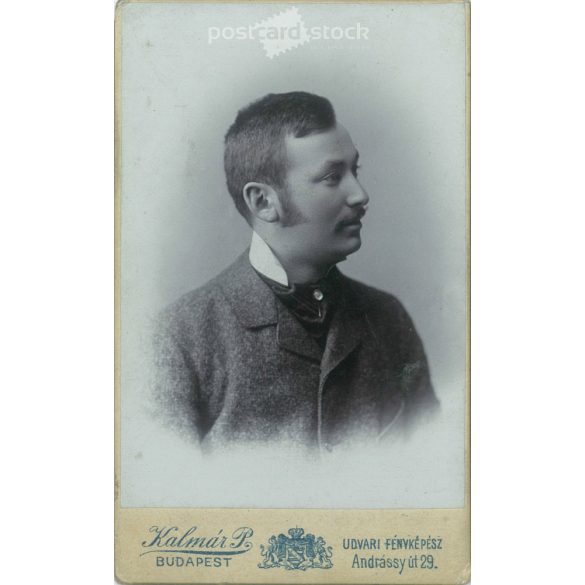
(352, 246)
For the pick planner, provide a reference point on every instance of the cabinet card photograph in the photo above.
(292, 203)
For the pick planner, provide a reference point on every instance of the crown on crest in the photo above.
(296, 532)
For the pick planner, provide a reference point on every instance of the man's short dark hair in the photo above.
(254, 144)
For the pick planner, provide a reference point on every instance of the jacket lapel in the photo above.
(292, 336)
(255, 305)
(347, 330)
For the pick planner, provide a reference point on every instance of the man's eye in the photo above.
(355, 170)
(332, 178)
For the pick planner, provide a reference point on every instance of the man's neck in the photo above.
(276, 267)
(305, 274)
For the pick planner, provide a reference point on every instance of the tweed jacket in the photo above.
(234, 366)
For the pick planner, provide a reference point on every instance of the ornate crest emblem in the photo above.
(296, 552)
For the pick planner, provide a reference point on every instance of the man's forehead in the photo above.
(334, 144)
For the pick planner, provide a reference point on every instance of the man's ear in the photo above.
(262, 201)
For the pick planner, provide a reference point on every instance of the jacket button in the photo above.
(328, 447)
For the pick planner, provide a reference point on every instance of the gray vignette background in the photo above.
(401, 94)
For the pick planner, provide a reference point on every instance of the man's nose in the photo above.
(358, 197)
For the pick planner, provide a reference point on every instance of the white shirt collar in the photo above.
(264, 261)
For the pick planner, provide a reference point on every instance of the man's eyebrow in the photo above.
(337, 163)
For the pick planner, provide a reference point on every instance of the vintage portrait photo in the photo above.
(293, 255)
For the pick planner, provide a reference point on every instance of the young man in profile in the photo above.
(281, 346)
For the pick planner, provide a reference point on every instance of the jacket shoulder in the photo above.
(373, 300)
(194, 309)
